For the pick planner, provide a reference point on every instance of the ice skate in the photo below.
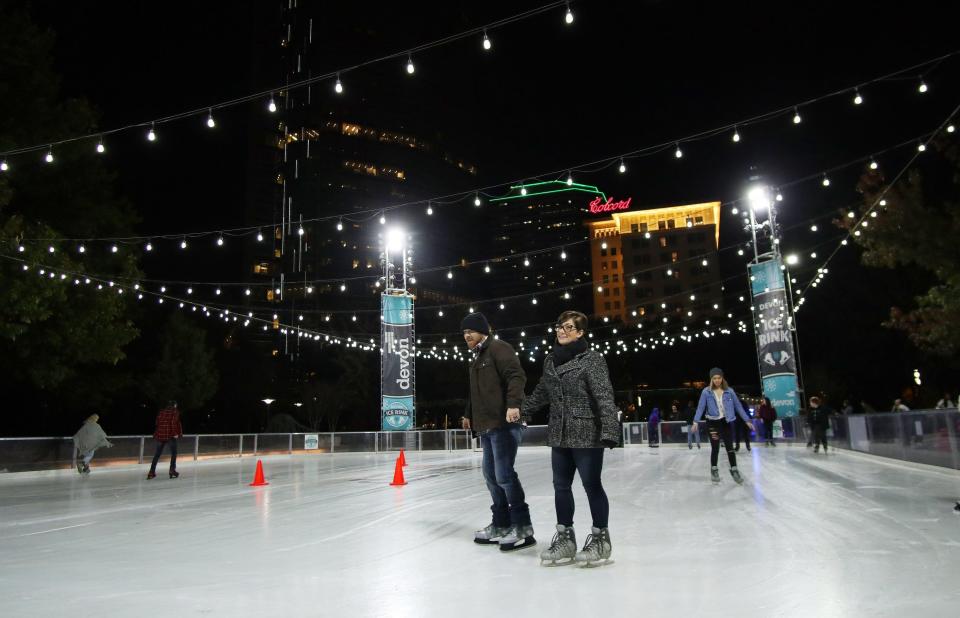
(174, 474)
(736, 475)
(151, 475)
(518, 537)
(956, 509)
(562, 550)
(86, 469)
(79, 462)
(597, 550)
(490, 535)
(715, 474)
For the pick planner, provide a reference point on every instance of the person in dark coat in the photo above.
(741, 432)
(168, 429)
(583, 422)
(653, 423)
(687, 416)
(767, 414)
(819, 419)
(493, 410)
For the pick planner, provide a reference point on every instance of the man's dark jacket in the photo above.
(496, 383)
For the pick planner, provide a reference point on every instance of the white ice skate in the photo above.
(490, 535)
(562, 550)
(597, 550)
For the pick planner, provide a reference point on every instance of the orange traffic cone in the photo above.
(403, 460)
(398, 474)
(258, 479)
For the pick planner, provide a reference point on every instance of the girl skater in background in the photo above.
(721, 406)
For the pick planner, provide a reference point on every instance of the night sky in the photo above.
(547, 98)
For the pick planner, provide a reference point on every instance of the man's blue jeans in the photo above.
(691, 433)
(499, 454)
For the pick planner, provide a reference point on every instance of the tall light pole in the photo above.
(772, 307)
(267, 401)
(397, 337)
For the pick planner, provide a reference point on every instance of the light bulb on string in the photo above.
(183, 243)
(779, 197)
(476, 199)
(152, 134)
(100, 147)
(301, 231)
(4, 166)
(857, 99)
(734, 210)
(568, 18)
(449, 274)
(814, 228)
(429, 208)
(383, 219)
(486, 269)
(736, 135)
(340, 225)
(114, 249)
(210, 121)
(873, 164)
(826, 181)
(523, 190)
(569, 179)
(526, 261)
(410, 67)
(921, 147)
(563, 254)
(922, 88)
(259, 236)
(623, 167)
(220, 241)
(343, 287)
(82, 249)
(338, 86)
(950, 129)
(796, 116)
(486, 41)
(271, 104)
(217, 292)
(678, 153)
(49, 157)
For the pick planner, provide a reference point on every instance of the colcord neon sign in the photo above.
(598, 205)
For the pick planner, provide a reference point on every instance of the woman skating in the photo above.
(583, 421)
(721, 406)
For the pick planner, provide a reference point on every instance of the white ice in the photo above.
(807, 535)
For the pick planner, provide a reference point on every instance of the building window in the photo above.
(634, 227)
(606, 291)
(616, 291)
(698, 220)
(616, 278)
(613, 250)
(663, 241)
(606, 278)
(606, 306)
(664, 258)
(616, 304)
(671, 224)
(603, 265)
(661, 225)
(643, 227)
(603, 252)
(674, 256)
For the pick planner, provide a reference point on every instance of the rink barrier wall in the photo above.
(929, 437)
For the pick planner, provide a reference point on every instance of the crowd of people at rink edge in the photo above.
(584, 421)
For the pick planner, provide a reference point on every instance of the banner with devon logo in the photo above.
(397, 353)
(775, 351)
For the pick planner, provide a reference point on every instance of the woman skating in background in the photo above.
(721, 406)
(87, 440)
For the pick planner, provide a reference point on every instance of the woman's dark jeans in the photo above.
(589, 463)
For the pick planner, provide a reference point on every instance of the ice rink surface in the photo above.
(807, 535)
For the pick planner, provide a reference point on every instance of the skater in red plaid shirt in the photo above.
(168, 430)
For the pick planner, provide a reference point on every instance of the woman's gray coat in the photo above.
(580, 396)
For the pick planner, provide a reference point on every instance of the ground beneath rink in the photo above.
(808, 535)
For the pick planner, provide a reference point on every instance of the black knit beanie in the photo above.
(477, 322)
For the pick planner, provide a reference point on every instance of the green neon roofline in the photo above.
(564, 187)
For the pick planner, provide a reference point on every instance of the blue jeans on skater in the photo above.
(589, 463)
(499, 454)
(690, 434)
(159, 451)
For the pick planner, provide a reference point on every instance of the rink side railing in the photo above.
(923, 436)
